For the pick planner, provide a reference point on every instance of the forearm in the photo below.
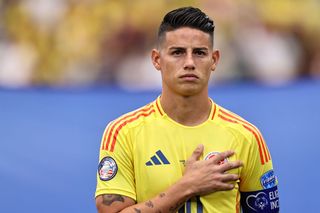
(168, 201)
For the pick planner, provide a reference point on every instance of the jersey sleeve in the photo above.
(115, 173)
(258, 185)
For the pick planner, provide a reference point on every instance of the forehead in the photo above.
(186, 37)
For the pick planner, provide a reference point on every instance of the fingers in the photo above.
(212, 173)
(224, 186)
(221, 156)
(230, 165)
(229, 177)
(225, 180)
(196, 154)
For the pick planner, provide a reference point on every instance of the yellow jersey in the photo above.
(143, 153)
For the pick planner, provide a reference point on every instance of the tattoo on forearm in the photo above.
(109, 199)
(162, 195)
(137, 210)
(149, 204)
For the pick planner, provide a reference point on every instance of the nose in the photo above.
(189, 62)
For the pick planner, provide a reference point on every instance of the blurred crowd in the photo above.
(107, 42)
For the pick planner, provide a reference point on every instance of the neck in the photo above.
(186, 110)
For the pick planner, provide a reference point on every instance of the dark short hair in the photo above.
(186, 17)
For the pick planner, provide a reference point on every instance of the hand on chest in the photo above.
(160, 160)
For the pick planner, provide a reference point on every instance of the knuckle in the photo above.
(218, 178)
(196, 152)
(233, 177)
(229, 166)
(233, 165)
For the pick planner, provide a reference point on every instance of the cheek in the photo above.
(170, 66)
(204, 64)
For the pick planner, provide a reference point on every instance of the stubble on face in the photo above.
(185, 51)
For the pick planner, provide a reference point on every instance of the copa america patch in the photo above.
(212, 154)
(107, 168)
(268, 179)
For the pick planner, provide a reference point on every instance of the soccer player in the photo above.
(183, 152)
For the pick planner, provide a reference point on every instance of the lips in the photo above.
(189, 76)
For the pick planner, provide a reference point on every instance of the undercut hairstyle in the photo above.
(185, 17)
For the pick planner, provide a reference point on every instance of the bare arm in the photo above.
(168, 201)
(113, 203)
(200, 177)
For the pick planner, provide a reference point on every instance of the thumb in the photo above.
(196, 153)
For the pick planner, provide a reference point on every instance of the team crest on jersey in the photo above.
(212, 154)
(107, 168)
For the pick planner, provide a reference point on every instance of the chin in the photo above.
(189, 91)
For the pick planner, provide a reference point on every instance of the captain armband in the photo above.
(263, 201)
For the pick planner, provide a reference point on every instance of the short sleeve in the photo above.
(258, 184)
(258, 163)
(115, 172)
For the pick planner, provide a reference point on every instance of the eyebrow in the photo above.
(181, 48)
(201, 48)
(176, 48)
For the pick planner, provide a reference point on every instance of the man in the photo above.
(173, 155)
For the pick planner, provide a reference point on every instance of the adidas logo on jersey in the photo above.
(157, 159)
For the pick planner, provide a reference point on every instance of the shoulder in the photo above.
(235, 123)
(244, 130)
(134, 117)
(118, 128)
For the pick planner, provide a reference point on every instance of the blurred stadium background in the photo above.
(67, 67)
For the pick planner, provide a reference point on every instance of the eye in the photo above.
(200, 52)
(177, 52)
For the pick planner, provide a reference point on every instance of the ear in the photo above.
(215, 59)
(155, 57)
